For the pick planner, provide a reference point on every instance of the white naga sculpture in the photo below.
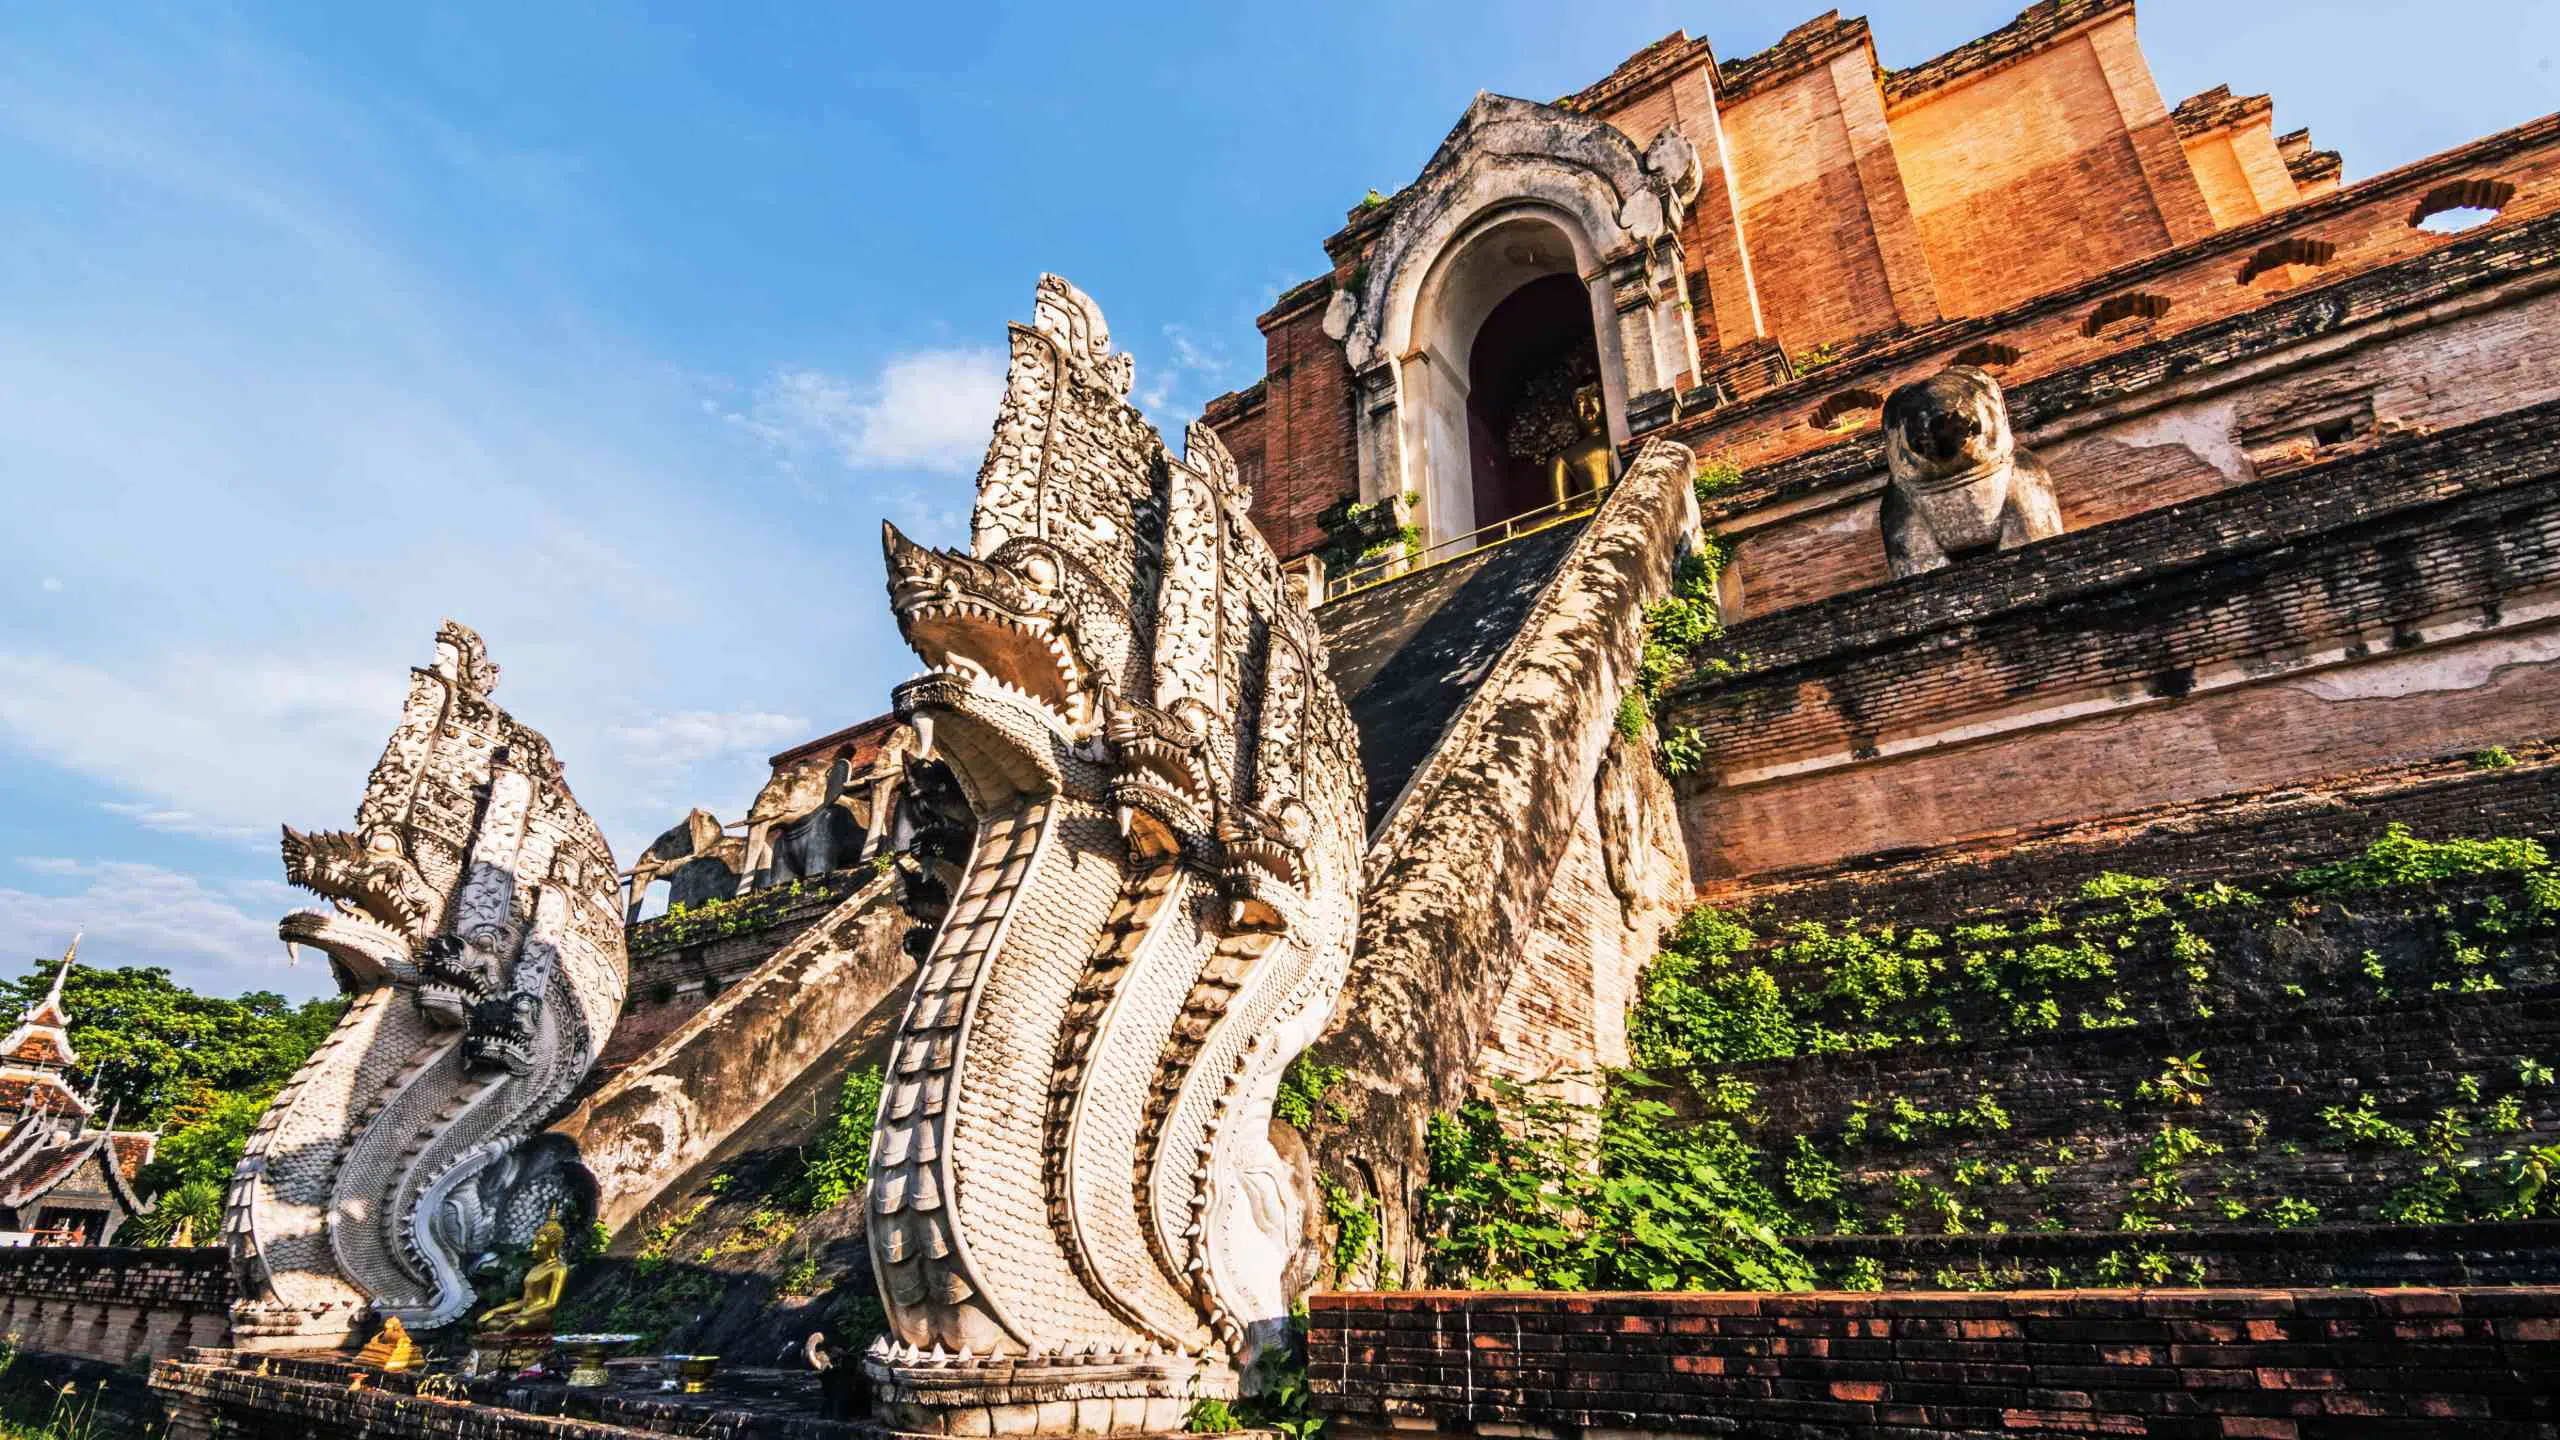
(1077, 1217)
(1959, 483)
(473, 923)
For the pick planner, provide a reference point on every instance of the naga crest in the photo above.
(473, 922)
(1077, 1217)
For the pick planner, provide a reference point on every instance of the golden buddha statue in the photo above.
(391, 1348)
(1584, 467)
(530, 1312)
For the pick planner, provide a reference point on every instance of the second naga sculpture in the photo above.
(473, 923)
(1959, 483)
(1077, 1217)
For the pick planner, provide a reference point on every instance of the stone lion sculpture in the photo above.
(1960, 485)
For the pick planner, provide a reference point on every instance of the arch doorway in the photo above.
(1532, 377)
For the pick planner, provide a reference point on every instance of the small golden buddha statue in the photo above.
(1584, 466)
(391, 1348)
(530, 1312)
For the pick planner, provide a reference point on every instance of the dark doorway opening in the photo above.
(1535, 352)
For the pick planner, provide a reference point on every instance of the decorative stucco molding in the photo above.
(1078, 1219)
(475, 929)
(1514, 168)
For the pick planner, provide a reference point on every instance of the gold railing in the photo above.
(1402, 562)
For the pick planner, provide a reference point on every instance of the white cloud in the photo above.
(1182, 383)
(216, 749)
(221, 938)
(179, 822)
(692, 736)
(924, 410)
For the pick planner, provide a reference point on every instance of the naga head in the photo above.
(381, 909)
(1007, 685)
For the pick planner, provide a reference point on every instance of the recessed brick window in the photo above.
(2280, 258)
(1846, 409)
(2125, 314)
(1988, 355)
(2461, 204)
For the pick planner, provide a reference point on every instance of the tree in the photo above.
(162, 1055)
(198, 1068)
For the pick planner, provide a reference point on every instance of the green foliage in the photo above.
(161, 1054)
(2362, 1125)
(2109, 885)
(2495, 757)
(1211, 1416)
(1280, 1402)
(659, 1241)
(766, 1228)
(1528, 1190)
(744, 914)
(1816, 357)
(1715, 478)
(193, 1160)
(2182, 1081)
(1676, 628)
(1303, 1087)
(1354, 1218)
(801, 1278)
(837, 1164)
(2290, 1213)
(1632, 719)
(1863, 1272)
(194, 1205)
(2400, 858)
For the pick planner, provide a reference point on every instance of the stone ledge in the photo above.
(2270, 517)
(2489, 1252)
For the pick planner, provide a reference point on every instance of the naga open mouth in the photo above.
(367, 949)
(992, 626)
(380, 906)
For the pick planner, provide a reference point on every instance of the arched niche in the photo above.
(1518, 192)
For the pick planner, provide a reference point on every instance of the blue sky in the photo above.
(613, 331)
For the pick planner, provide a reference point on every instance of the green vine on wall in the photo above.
(1528, 1189)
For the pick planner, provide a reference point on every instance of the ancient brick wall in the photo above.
(2305, 376)
(2489, 1252)
(1300, 431)
(681, 963)
(111, 1304)
(2366, 225)
(2282, 1365)
(1823, 211)
(2273, 1073)
(1613, 896)
(2033, 174)
(2147, 662)
(2232, 838)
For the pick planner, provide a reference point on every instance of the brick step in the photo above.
(2065, 1139)
(2514, 1252)
(2279, 959)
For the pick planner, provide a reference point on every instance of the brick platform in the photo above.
(112, 1303)
(2296, 1364)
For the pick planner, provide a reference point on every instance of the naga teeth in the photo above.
(923, 725)
(293, 951)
